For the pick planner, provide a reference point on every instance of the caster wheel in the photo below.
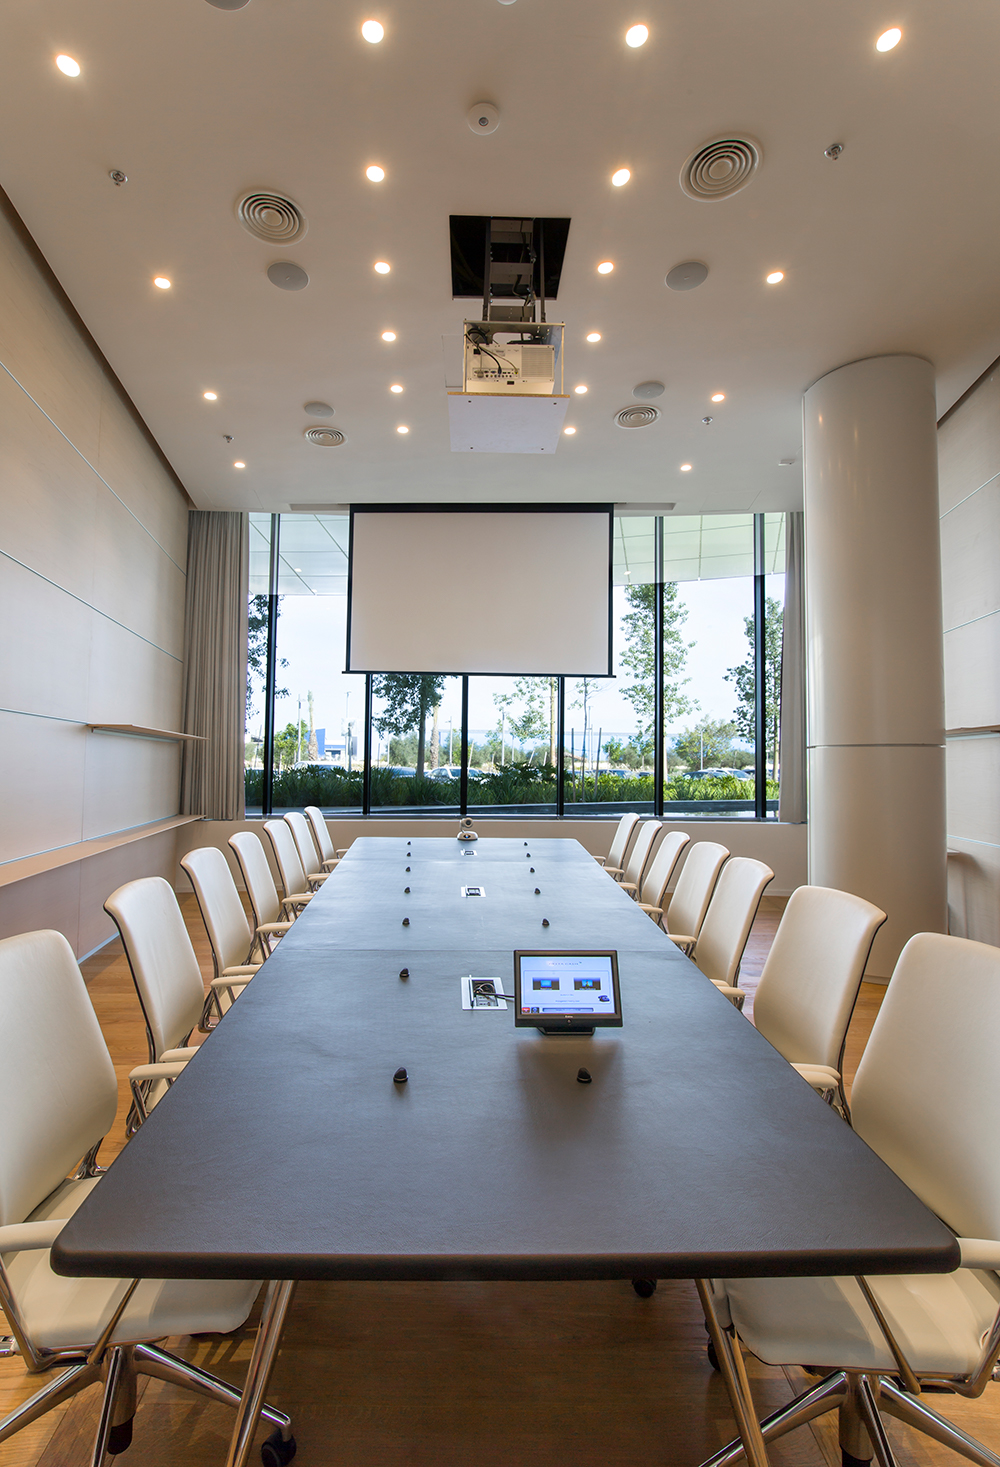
(645, 1288)
(713, 1358)
(276, 1451)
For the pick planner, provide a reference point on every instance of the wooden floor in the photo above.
(464, 1375)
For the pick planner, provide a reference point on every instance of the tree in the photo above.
(639, 657)
(744, 678)
(257, 615)
(707, 745)
(409, 698)
(537, 699)
(289, 743)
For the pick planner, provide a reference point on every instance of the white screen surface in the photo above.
(567, 983)
(488, 592)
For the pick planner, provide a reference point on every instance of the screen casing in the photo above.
(539, 965)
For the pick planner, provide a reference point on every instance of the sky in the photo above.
(312, 636)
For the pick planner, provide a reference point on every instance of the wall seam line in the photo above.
(146, 531)
(89, 605)
(971, 494)
(960, 625)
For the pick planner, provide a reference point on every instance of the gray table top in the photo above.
(286, 1151)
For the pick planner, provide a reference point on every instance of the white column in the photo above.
(873, 631)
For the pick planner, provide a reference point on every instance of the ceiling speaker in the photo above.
(287, 276)
(319, 409)
(646, 390)
(687, 276)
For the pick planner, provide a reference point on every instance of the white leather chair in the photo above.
(923, 1099)
(167, 980)
(286, 854)
(810, 981)
(58, 1095)
(683, 917)
(321, 834)
(305, 844)
(614, 861)
(656, 880)
(638, 856)
(232, 938)
(273, 916)
(719, 948)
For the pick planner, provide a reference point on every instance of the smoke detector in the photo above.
(635, 416)
(720, 168)
(271, 217)
(483, 118)
(325, 437)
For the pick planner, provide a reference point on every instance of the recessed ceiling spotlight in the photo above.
(580, 388)
(396, 387)
(68, 66)
(161, 282)
(685, 468)
(708, 420)
(402, 428)
(885, 42)
(382, 268)
(375, 173)
(605, 267)
(373, 31)
(210, 396)
(593, 336)
(621, 177)
(776, 277)
(569, 432)
(718, 397)
(239, 464)
(637, 35)
(388, 336)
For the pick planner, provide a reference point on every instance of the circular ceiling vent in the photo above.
(271, 217)
(720, 168)
(325, 437)
(636, 416)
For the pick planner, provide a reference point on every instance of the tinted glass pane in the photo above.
(416, 742)
(513, 725)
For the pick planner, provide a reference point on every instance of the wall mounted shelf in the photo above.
(146, 733)
(25, 866)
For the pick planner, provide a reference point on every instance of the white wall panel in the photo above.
(130, 681)
(128, 464)
(128, 781)
(970, 537)
(972, 674)
(974, 787)
(44, 763)
(135, 582)
(969, 444)
(36, 615)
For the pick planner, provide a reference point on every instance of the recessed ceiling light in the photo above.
(381, 268)
(396, 387)
(375, 173)
(161, 281)
(402, 428)
(68, 66)
(622, 176)
(297, 569)
(593, 336)
(239, 464)
(636, 35)
(210, 396)
(605, 267)
(372, 31)
(569, 432)
(718, 397)
(775, 277)
(685, 468)
(885, 42)
(581, 388)
(388, 336)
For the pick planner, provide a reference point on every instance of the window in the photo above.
(688, 726)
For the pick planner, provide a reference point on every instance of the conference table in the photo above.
(287, 1151)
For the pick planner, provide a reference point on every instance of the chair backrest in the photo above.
(661, 868)
(694, 888)
(810, 980)
(730, 915)
(164, 968)
(924, 1096)
(293, 877)
(222, 911)
(623, 835)
(58, 1091)
(641, 847)
(321, 833)
(305, 843)
(257, 876)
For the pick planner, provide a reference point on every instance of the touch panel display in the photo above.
(566, 991)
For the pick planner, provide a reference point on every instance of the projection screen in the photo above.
(487, 591)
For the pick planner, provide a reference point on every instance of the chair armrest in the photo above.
(316, 879)
(343, 852)
(632, 886)
(168, 1071)
(615, 871)
(329, 865)
(185, 1054)
(822, 1078)
(655, 912)
(736, 996)
(243, 970)
(682, 941)
(297, 899)
(976, 1253)
(271, 929)
(30, 1236)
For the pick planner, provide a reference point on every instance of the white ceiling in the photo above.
(891, 248)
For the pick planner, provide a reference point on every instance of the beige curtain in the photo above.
(792, 752)
(215, 663)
